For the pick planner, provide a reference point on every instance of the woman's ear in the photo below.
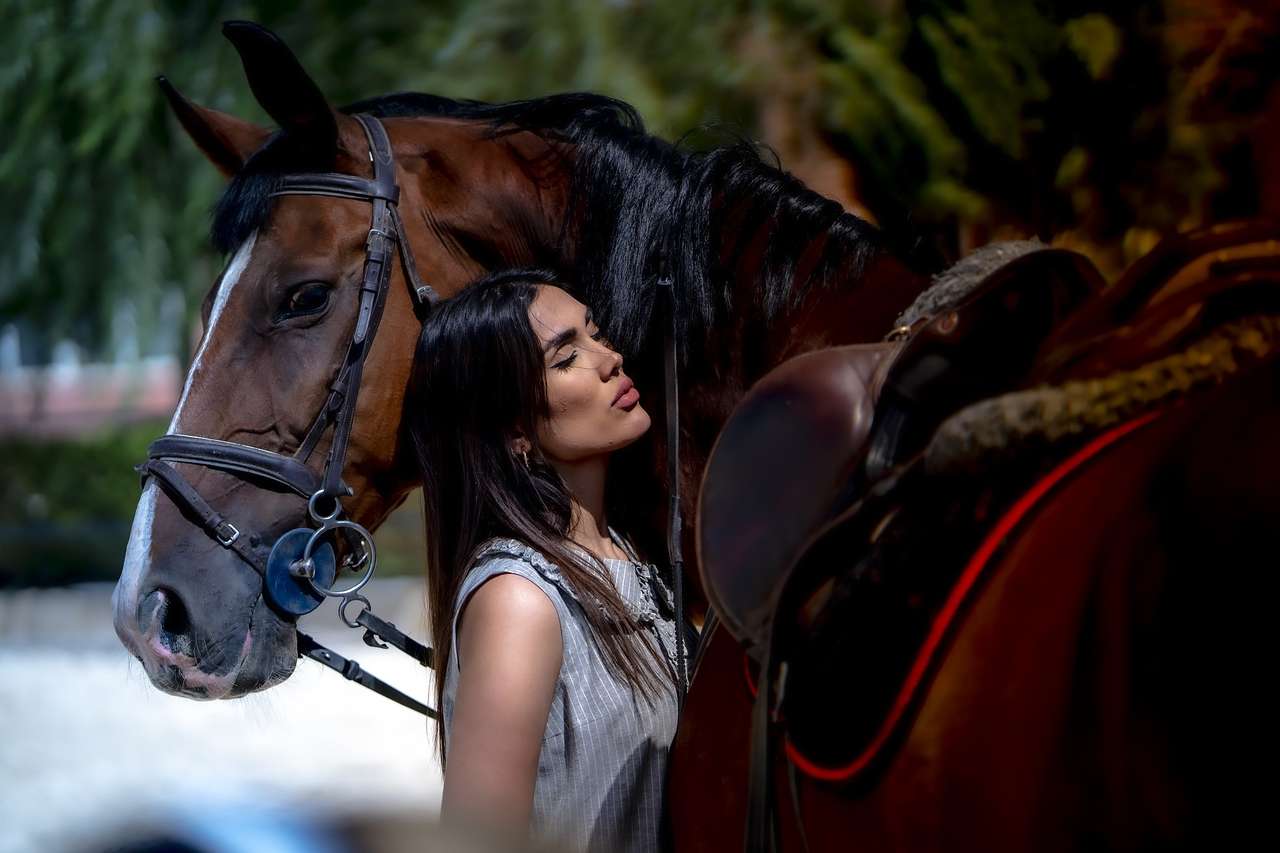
(520, 446)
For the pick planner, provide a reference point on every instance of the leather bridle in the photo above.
(299, 571)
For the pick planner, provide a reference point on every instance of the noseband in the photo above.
(299, 571)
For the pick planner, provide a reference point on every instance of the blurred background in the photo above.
(1095, 125)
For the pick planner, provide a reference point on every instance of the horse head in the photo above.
(278, 325)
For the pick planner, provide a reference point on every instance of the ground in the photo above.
(89, 744)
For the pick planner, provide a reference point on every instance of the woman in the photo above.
(555, 643)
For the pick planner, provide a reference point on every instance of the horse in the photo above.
(1043, 623)
(762, 267)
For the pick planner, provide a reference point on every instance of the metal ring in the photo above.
(315, 514)
(368, 573)
(342, 610)
(350, 566)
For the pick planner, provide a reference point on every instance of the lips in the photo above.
(627, 395)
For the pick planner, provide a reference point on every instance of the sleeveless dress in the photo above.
(602, 769)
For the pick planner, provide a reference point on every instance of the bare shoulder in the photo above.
(509, 616)
(509, 658)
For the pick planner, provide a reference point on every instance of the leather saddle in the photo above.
(810, 437)
(818, 527)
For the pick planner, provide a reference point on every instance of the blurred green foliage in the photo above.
(106, 201)
(66, 506)
(1047, 115)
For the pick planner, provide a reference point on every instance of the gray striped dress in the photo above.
(602, 768)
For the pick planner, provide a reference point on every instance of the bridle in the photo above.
(299, 571)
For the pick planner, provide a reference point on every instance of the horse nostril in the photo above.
(174, 617)
(167, 616)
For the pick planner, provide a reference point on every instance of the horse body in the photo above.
(482, 187)
(1095, 680)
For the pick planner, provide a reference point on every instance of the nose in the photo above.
(611, 363)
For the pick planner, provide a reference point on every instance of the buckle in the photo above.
(226, 533)
(374, 232)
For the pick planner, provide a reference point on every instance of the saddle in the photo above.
(829, 533)
(816, 432)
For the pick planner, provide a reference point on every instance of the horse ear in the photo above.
(226, 140)
(283, 87)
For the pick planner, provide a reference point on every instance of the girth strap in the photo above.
(761, 834)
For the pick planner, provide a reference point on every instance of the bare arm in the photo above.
(510, 651)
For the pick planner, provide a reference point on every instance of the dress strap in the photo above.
(624, 545)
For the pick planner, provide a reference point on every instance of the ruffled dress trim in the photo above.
(643, 607)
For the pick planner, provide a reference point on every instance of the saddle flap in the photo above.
(777, 468)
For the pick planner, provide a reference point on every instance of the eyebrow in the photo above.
(567, 335)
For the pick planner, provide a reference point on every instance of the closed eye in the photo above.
(596, 336)
(567, 362)
(306, 299)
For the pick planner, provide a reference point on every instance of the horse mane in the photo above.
(641, 208)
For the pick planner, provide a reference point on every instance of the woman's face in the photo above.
(594, 407)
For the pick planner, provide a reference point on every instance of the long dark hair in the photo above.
(478, 377)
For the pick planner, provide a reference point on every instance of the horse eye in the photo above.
(309, 298)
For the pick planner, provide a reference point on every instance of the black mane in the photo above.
(642, 208)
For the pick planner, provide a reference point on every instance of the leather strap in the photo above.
(385, 230)
(424, 295)
(336, 185)
(212, 522)
(761, 829)
(675, 521)
(237, 458)
(377, 628)
(352, 671)
(384, 188)
(329, 411)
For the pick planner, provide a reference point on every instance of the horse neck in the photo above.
(502, 204)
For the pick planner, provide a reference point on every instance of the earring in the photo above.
(524, 454)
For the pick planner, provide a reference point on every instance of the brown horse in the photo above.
(763, 269)
(1046, 628)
